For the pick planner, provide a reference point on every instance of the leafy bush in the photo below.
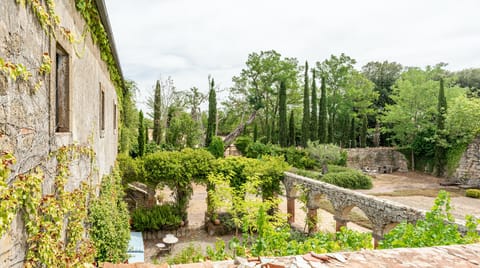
(190, 254)
(257, 149)
(216, 147)
(326, 154)
(242, 143)
(349, 179)
(131, 169)
(437, 229)
(337, 169)
(108, 218)
(164, 217)
(474, 193)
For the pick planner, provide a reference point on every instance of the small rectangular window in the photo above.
(62, 94)
(102, 111)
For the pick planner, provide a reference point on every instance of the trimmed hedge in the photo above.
(164, 217)
(349, 179)
(473, 193)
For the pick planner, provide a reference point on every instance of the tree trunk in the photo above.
(238, 131)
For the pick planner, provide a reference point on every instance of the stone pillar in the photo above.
(377, 233)
(291, 209)
(312, 220)
(376, 238)
(339, 223)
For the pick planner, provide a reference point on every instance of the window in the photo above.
(114, 118)
(62, 102)
(102, 111)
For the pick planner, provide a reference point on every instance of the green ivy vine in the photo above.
(54, 223)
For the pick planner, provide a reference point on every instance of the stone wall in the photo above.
(379, 159)
(468, 171)
(27, 115)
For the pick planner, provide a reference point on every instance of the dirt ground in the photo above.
(413, 189)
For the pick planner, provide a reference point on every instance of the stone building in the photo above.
(40, 111)
(468, 170)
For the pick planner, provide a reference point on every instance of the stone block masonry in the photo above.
(378, 159)
(468, 171)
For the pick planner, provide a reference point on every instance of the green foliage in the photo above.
(437, 229)
(292, 135)
(131, 169)
(242, 143)
(183, 131)
(178, 170)
(441, 142)
(129, 118)
(473, 193)
(282, 119)
(326, 154)
(212, 113)
(157, 111)
(109, 221)
(314, 109)
(306, 109)
(322, 114)
(349, 179)
(216, 147)
(141, 135)
(462, 122)
(190, 254)
(163, 217)
(257, 149)
(454, 155)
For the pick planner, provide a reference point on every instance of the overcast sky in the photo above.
(190, 39)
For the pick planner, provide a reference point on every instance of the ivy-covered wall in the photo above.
(29, 44)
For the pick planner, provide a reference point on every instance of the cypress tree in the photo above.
(141, 135)
(291, 130)
(282, 110)
(212, 113)
(157, 104)
(440, 150)
(353, 138)
(306, 110)
(255, 132)
(313, 117)
(363, 134)
(322, 115)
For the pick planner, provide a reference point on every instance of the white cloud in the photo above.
(189, 39)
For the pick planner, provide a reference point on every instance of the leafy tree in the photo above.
(313, 116)
(216, 147)
(469, 78)
(282, 121)
(306, 110)
(462, 122)
(440, 148)
(322, 116)
(255, 91)
(157, 106)
(336, 72)
(129, 121)
(182, 131)
(212, 113)
(363, 133)
(383, 75)
(141, 135)
(291, 130)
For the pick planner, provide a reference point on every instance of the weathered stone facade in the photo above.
(29, 118)
(378, 159)
(468, 171)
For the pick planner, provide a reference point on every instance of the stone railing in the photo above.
(383, 214)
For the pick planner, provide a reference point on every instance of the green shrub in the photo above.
(108, 219)
(190, 254)
(297, 157)
(131, 169)
(474, 193)
(242, 143)
(216, 147)
(437, 229)
(326, 154)
(164, 217)
(337, 169)
(257, 149)
(349, 179)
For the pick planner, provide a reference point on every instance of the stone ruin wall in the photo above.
(468, 171)
(379, 159)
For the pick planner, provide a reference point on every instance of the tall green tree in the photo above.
(291, 130)
(363, 133)
(337, 71)
(157, 106)
(322, 114)
(129, 118)
(282, 119)
(314, 114)
(255, 92)
(469, 78)
(141, 135)
(441, 143)
(212, 113)
(306, 109)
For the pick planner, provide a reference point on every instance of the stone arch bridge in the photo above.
(383, 214)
